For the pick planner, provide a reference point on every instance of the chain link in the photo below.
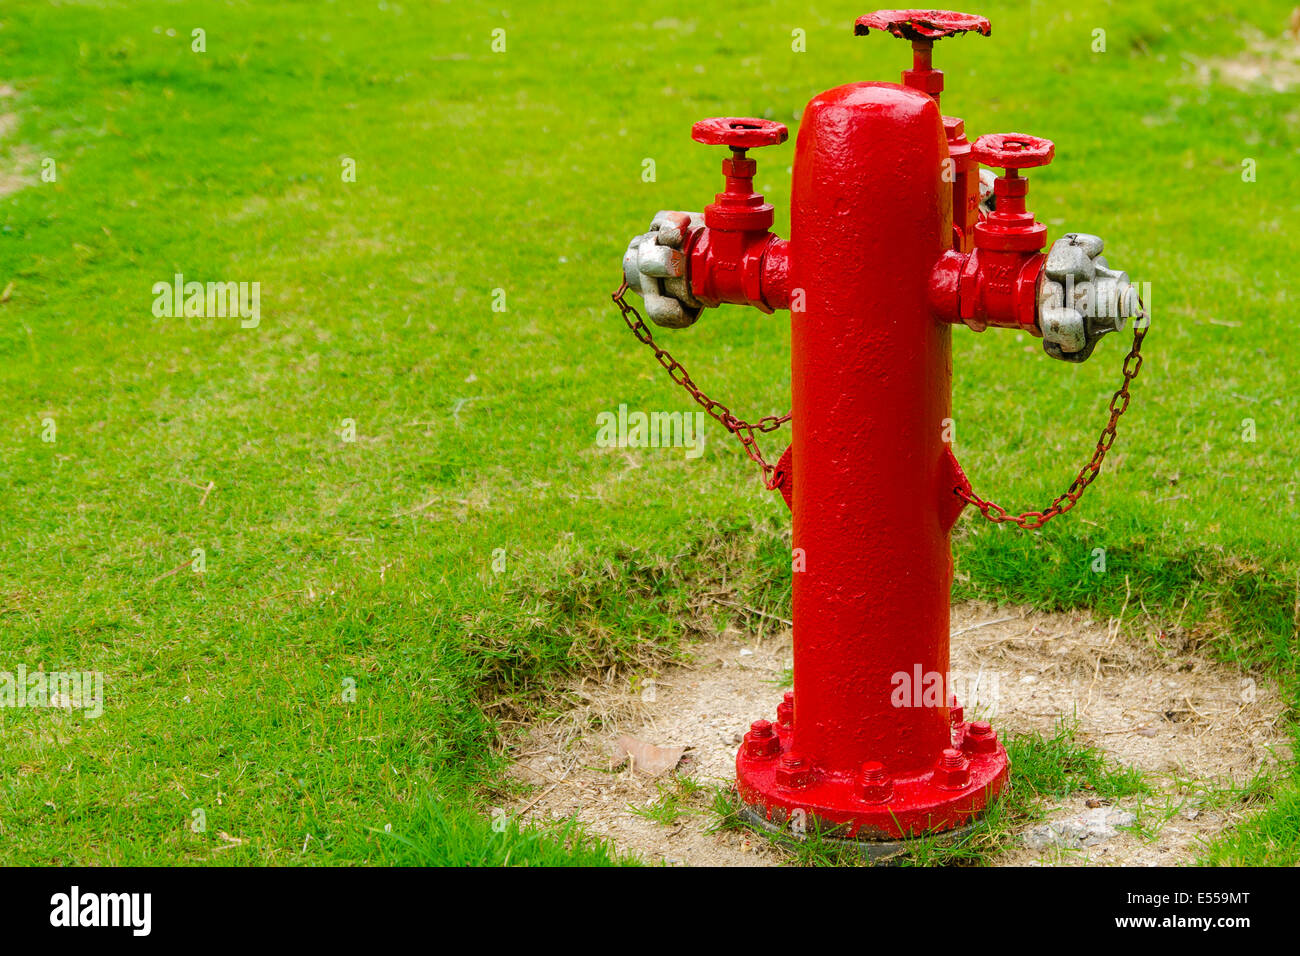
(1028, 520)
(1119, 402)
(743, 430)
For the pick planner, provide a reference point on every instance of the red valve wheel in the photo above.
(921, 24)
(1013, 150)
(739, 132)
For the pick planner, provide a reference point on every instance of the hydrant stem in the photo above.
(922, 54)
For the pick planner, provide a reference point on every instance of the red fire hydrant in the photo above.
(891, 244)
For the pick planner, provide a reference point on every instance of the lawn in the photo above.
(326, 562)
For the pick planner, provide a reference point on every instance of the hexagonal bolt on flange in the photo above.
(980, 738)
(953, 772)
(793, 772)
(762, 741)
(785, 711)
(874, 785)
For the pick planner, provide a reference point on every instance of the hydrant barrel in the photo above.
(873, 488)
(870, 393)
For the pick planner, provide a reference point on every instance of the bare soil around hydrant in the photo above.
(1191, 725)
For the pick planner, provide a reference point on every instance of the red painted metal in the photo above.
(1014, 150)
(739, 132)
(965, 187)
(922, 24)
(729, 256)
(783, 476)
(877, 268)
(873, 503)
(922, 27)
(997, 282)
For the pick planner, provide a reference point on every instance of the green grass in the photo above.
(375, 564)
(449, 835)
(1270, 838)
(673, 798)
(1058, 765)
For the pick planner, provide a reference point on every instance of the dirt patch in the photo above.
(1266, 63)
(16, 170)
(1190, 724)
(705, 707)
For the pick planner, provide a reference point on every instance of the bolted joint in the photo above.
(762, 741)
(953, 772)
(980, 738)
(739, 267)
(956, 714)
(785, 711)
(929, 82)
(793, 772)
(988, 287)
(967, 187)
(874, 785)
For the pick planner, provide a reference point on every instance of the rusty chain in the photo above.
(1028, 520)
(743, 430)
(1119, 402)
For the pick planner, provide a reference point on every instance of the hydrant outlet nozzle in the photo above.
(1081, 298)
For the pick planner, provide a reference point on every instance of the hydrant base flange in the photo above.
(873, 851)
(779, 788)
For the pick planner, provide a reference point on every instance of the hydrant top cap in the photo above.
(922, 24)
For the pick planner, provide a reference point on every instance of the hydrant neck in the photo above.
(738, 208)
(1010, 227)
(739, 171)
(923, 77)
